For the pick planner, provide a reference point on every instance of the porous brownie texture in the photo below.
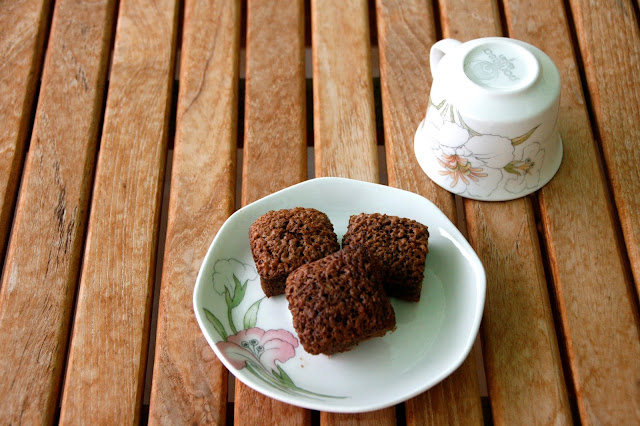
(399, 244)
(338, 301)
(283, 240)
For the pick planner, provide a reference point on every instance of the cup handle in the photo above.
(438, 50)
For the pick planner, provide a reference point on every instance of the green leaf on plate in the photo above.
(251, 317)
(216, 324)
(284, 378)
(238, 293)
(227, 298)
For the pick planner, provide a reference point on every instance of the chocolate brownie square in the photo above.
(338, 301)
(399, 244)
(283, 240)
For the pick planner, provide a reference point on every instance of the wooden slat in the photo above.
(344, 117)
(404, 39)
(593, 294)
(274, 146)
(522, 360)
(275, 107)
(455, 401)
(483, 16)
(609, 41)
(23, 31)
(105, 373)
(343, 108)
(254, 408)
(48, 229)
(189, 382)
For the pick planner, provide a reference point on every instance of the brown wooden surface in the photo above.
(524, 372)
(608, 36)
(251, 407)
(404, 39)
(344, 127)
(107, 360)
(274, 154)
(275, 104)
(189, 382)
(518, 333)
(23, 27)
(44, 253)
(593, 294)
(406, 32)
(561, 329)
(343, 108)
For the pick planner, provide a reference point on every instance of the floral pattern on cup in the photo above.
(261, 352)
(475, 164)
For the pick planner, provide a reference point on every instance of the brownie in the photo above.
(399, 244)
(338, 301)
(283, 240)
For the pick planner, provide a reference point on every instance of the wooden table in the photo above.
(130, 130)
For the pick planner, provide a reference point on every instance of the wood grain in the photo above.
(522, 360)
(274, 147)
(524, 371)
(609, 41)
(593, 294)
(454, 401)
(105, 373)
(189, 382)
(343, 106)
(251, 407)
(481, 19)
(386, 416)
(50, 220)
(344, 119)
(24, 25)
(404, 40)
(275, 106)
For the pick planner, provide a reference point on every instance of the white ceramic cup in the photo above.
(490, 131)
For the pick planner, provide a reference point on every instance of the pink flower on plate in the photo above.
(260, 347)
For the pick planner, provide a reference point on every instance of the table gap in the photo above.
(635, 4)
(504, 27)
(561, 336)
(164, 211)
(98, 142)
(25, 149)
(602, 164)
(240, 107)
(162, 234)
(437, 14)
(476, 350)
(309, 105)
(39, 60)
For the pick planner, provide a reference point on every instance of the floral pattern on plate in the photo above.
(262, 352)
(476, 164)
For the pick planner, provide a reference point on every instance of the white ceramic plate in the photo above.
(254, 337)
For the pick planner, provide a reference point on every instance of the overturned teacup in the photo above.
(490, 131)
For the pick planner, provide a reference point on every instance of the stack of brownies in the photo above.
(339, 297)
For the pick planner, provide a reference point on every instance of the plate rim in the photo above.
(479, 274)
